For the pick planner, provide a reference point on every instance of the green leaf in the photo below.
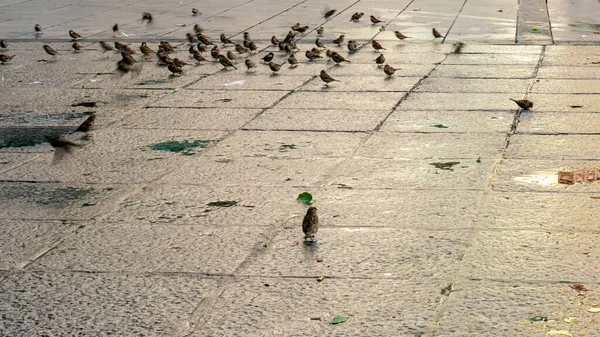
(439, 126)
(175, 146)
(227, 203)
(539, 319)
(305, 198)
(535, 30)
(478, 160)
(382, 29)
(500, 11)
(339, 319)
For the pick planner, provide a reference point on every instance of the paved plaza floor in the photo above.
(440, 204)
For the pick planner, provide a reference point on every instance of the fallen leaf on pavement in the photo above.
(339, 319)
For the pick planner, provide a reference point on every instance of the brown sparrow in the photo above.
(356, 16)
(523, 103)
(310, 224)
(376, 45)
(339, 40)
(389, 70)
(435, 33)
(326, 78)
(375, 20)
(337, 58)
(74, 35)
(401, 36)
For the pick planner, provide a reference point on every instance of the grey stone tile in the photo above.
(533, 255)
(528, 175)
(487, 308)
(305, 307)
(288, 144)
(555, 72)
(236, 171)
(570, 49)
(472, 85)
(366, 173)
(11, 160)
(432, 145)
(566, 86)
(559, 123)
(411, 209)
(371, 69)
(538, 211)
(189, 119)
(564, 102)
(219, 99)
(583, 59)
(96, 304)
(249, 82)
(55, 201)
(471, 48)
(363, 83)
(23, 240)
(489, 59)
(335, 100)
(136, 247)
(553, 147)
(453, 121)
(367, 55)
(323, 120)
(483, 71)
(403, 253)
(460, 101)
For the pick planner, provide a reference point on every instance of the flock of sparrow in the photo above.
(199, 42)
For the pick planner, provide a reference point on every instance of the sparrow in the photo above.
(115, 29)
(523, 103)
(319, 44)
(337, 58)
(290, 35)
(268, 58)
(274, 40)
(389, 70)
(198, 28)
(352, 46)
(146, 17)
(301, 29)
(200, 47)
(38, 29)
(275, 67)
(339, 40)
(190, 37)
(74, 35)
(164, 58)
(320, 30)
(247, 36)
(122, 46)
(231, 55)
(380, 60)
(63, 143)
(356, 16)
(3, 44)
(435, 33)
(375, 20)
(292, 60)
(215, 52)
(329, 53)
(198, 57)
(252, 46)
(311, 56)
(145, 49)
(401, 36)
(166, 46)
(458, 46)
(195, 11)
(310, 224)
(376, 45)
(88, 124)
(241, 49)
(179, 62)
(316, 51)
(329, 13)
(225, 62)
(76, 46)
(174, 69)
(50, 50)
(249, 64)
(105, 46)
(225, 40)
(202, 38)
(326, 78)
(5, 58)
(296, 26)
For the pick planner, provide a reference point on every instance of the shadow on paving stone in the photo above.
(58, 197)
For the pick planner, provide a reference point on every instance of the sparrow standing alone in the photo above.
(195, 11)
(3, 44)
(310, 224)
(50, 50)
(458, 46)
(275, 67)
(377, 46)
(435, 33)
(329, 13)
(375, 20)
(147, 17)
(5, 58)
(38, 29)
(115, 29)
(389, 70)
(74, 35)
(76, 46)
(523, 103)
(326, 78)
(401, 36)
(339, 40)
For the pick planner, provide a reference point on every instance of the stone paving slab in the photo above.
(482, 307)
(335, 100)
(402, 70)
(310, 306)
(529, 175)
(450, 121)
(566, 86)
(538, 211)
(239, 81)
(220, 99)
(432, 145)
(92, 304)
(460, 101)
(564, 102)
(363, 84)
(471, 85)
(483, 71)
(489, 59)
(555, 72)
(582, 123)
(541, 147)
(366, 173)
(321, 120)
(39, 201)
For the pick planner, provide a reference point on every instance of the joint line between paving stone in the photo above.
(550, 22)
(454, 21)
